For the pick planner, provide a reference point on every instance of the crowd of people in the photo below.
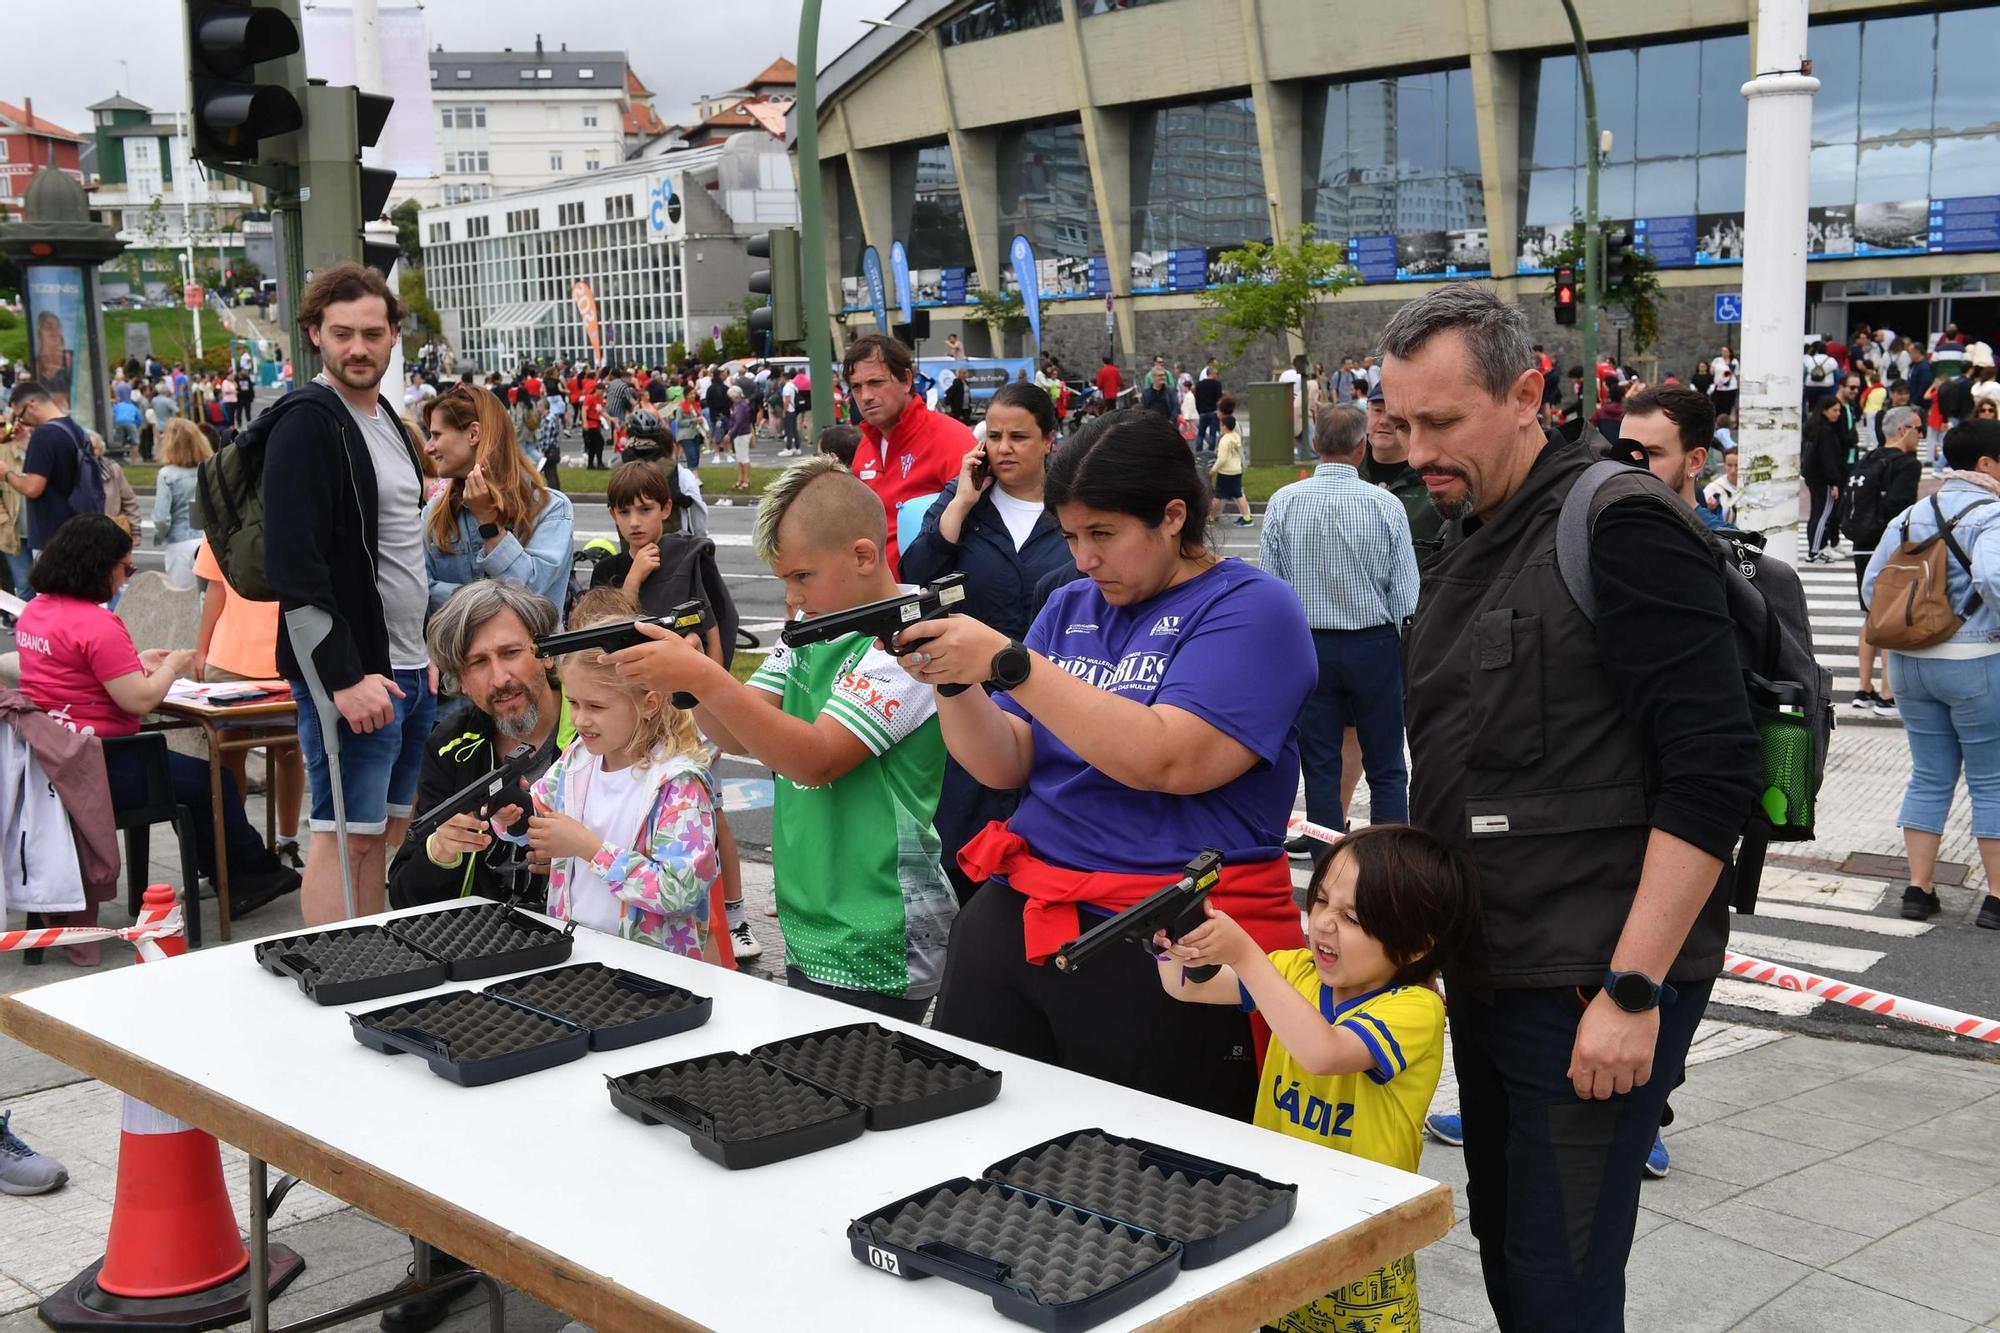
(1543, 870)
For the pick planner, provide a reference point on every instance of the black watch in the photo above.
(1010, 666)
(488, 531)
(1635, 992)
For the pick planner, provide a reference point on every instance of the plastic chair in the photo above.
(158, 807)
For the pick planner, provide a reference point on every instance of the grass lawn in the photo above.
(173, 338)
(745, 662)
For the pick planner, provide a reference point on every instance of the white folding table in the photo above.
(541, 1183)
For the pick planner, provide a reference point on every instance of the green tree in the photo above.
(706, 353)
(1005, 310)
(248, 274)
(735, 341)
(1640, 293)
(425, 324)
(1278, 291)
(404, 215)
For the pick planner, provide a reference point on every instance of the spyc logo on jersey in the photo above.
(1166, 625)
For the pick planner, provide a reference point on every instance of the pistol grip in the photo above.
(949, 690)
(1204, 972)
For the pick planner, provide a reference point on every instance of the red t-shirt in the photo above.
(69, 648)
(1109, 382)
(922, 453)
(593, 408)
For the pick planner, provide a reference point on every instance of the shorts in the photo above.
(743, 448)
(1229, 485)
(378, 770)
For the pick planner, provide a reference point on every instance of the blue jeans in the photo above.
(691, 452)
(126, 775)
(18, 565)
(1552, 1179)
(1208, 433)
(378, 770)
(1951, 713)
(1360, 686)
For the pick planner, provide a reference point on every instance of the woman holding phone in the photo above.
(990, 523)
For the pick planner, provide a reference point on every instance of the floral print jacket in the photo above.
(665, 877)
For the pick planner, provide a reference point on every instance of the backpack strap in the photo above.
(1951, 544)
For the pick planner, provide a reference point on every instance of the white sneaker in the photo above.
(743, 943)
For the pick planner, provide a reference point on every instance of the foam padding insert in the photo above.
(608, 1001)
(746, 1098)
(485, 931)
(1058, 1255)
(900, 1079)
(1189, 1199)
(469, 1026)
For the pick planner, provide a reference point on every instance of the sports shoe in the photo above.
(1242, 522)
(1886, 707)
(1300, 848)
(22, 1169)
(1919, 904)
(743, 943)
(1989, 914)
(1446, 1129)
(1656, 1160)
(1863, 700)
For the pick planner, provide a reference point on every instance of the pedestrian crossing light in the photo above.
(781, 318)
(226, 41)
(1618, 259)
(1566, 294)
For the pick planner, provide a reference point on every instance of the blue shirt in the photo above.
(1188, 647)
(1344, 546)
(1981, 629)
(542, 562)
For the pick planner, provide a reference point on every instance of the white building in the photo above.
(651, 251)
(141, 180)
(512, 120)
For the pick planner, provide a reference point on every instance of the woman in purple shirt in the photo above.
(1149, 715)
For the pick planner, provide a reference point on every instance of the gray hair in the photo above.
(1495, 332)
(450, 632)
(1339, 430)
(1898, 419)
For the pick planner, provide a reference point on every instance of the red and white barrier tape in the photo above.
(1299, 825)
(1860, 997)
(141, 934)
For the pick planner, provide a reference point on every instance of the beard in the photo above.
(518, 726)
(357, 377)
(1454, 506)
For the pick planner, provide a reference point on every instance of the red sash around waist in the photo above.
(1258, 895)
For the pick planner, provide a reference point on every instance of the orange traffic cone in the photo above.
(174, 1259)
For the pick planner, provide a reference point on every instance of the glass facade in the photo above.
(1399, 156)
(1197, 178)
(997, 18)
(1045, 194)
(1905, 111)
(930, 214)
(509, 295)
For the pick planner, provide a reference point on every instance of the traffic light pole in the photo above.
(819, 336)
(1593, 237)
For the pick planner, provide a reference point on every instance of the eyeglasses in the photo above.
(128, 568)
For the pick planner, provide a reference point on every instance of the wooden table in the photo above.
(267, 724)
(539, 1182)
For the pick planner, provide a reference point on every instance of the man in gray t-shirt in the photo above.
(400, 575)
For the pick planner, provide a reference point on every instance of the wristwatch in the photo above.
(1635, 992)
(488, 531)
(1010, 666)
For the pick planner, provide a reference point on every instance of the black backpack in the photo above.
(1954, 399)
(1865, 510)
(86, 492)
(1790, 693)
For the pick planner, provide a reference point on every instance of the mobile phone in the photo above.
(982, 471)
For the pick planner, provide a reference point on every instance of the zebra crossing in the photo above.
(1834, 608)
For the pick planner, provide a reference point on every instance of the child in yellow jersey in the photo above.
(1357, 1029)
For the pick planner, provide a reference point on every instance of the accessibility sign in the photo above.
(1729, 307)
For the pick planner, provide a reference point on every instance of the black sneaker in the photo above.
(1989, 914)
(429, 1308)
(1863, 700)
(257, 888)
(1300, 848)
(1919, 905)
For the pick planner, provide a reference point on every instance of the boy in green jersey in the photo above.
(856, 748)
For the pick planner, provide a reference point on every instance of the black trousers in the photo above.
(1823, 522)
(593, 447)
(1109, 1019)
(1552, 1179)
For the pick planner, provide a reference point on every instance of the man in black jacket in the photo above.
(343, 499)
(1597, 773)
(483, 642)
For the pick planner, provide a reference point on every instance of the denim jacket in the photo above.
(1982, 628)
(541, 562)
(173, 501)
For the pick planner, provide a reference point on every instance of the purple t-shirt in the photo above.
(1232, 647)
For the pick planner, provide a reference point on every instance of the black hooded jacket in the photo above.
(320, 519)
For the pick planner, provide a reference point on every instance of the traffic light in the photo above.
(1618, 260)
(781, 318)
(1566, 294)
(340, 195)
(226, 40)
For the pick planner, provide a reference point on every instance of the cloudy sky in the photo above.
(84, 50)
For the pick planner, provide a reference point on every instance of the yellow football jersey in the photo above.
(1377, 1113)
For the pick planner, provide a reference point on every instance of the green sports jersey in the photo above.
(861, 896)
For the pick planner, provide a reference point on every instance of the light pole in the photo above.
(1593, 237)
(812, 224)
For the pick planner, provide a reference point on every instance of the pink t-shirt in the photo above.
(69, 648)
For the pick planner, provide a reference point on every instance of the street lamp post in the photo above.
(812, 217)
(1593, 236)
